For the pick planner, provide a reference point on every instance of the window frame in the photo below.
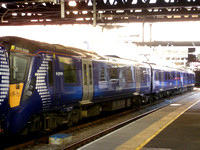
(19, 55)
(102, 76)
(129, 75)
(72, 69)
(69, 62)
(116, 73)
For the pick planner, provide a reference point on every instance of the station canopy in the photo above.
(169, 43)
(42, 12)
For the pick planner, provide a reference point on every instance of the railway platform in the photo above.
(176, 127)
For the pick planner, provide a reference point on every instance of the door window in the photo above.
(90, 74)
(85, 74)
(50, 72)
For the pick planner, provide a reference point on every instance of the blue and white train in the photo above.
(44, 85)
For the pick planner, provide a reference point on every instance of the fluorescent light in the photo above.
(72, 3)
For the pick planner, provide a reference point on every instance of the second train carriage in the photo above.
(49, 85)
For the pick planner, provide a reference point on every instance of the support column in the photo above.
(94, 14)
(62, 8)
(143, 31)
(150, 34)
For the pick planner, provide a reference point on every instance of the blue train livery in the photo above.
(44, 85)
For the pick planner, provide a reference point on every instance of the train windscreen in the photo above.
(19, 64)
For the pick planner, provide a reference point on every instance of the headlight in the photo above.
(29, 93)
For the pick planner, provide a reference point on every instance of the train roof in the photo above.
(168, 68)
(125, 61)
(34, 46)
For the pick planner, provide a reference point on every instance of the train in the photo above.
(43, 86)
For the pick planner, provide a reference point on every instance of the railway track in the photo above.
(109, 124)
(104, 132)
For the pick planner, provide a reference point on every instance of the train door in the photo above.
(163, 73)
(54, 79)
(47, 80)
(176, 78)
(137, 79)
(87, 74)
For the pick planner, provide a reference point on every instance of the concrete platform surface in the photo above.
(176, 126)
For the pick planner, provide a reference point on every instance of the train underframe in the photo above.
(50, 120)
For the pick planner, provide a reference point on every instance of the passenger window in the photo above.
(102, 74)
(160, 76)
(50, 71)
(173, 75)
(156, 76)
(178, 76)
(114, 73)
(144, 75)
(128, 75)
(69, 73)
(166, 76)
(69, 69)
(191, 76)
(185, 76)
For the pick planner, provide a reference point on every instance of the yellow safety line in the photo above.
(130, 145)
(149, 139)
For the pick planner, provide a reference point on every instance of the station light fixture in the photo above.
(3, 5)
(72, 3)
(44, 4)
(90, 3)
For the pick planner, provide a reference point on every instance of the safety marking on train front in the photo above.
(141, 139)
(41, 82)
(4, 74)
